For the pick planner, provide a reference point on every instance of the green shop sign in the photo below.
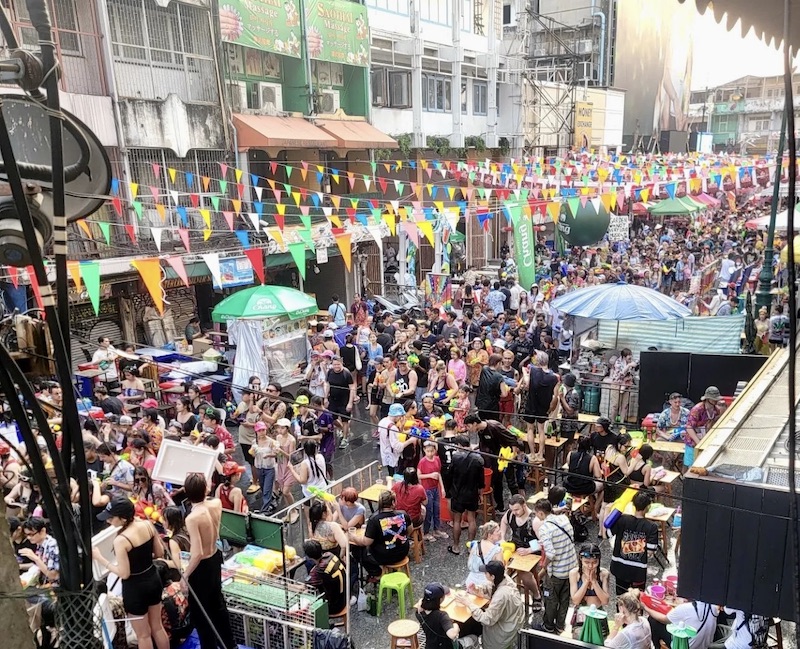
(337, 31)
(268, 25)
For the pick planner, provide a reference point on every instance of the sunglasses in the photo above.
(140, 480)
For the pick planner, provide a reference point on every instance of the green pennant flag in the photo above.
(306, 219)
(305, 235)
(472, 176)
(104, 226)
(215, 203)
(289, 170)
(374, 166)
(137, 207)
(482, 192)
(287, 188)
(524, 194)
(376, 215)
(574, 204)
(223, 186)
(90, 274)
(298, 252)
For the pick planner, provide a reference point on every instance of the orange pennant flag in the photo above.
(336, 200)
(343, 241)
(150, 270)
(162, 212)
(75, 272)
(553, 210)
(237, 205)
(85, 227)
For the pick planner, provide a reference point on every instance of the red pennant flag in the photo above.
(37, 293)
(273, 166)
(12, 273)
(184, 234)
(303, 193)
(131, 232)
(382, 183)
(240, 189)
(117, 203)
(180, 270)
(256, 257)
(280, 219)
(195, 199)
(229, 219)
(351, 214)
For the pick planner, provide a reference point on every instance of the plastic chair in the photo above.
(397, 582)
(400, 566)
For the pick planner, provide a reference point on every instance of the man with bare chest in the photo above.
(203, 573)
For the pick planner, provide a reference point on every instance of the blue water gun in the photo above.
(419, 433)
(509, 382)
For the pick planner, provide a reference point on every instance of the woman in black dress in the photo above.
(135, 547)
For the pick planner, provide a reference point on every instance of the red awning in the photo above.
(356, 134)
(275, 132)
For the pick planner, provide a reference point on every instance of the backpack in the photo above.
(580, 527)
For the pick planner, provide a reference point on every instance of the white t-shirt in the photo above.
(741, 635)
(390, 446)
(699, 616)
(513, 302)
(107, 356)
(634, 636)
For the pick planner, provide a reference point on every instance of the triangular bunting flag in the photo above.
(244, 238)
(184, 235)
(150, 271)
(156, 234)
(277, 236)
(211, 260)
(74, 272)
(131, 232)
(298, 252)
(411, 231)
(137, 207)
(104, 228)
(256, 257)
(343, 241)
(85, 227)
(426, 227)
(305, 235)
(180, 270)
(90, 272)
(229, 219)
(37, 292)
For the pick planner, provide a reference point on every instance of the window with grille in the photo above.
(174, 42)
(65, 23)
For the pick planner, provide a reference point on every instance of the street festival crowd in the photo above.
(462, 403)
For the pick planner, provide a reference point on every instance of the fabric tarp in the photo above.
(248, 336)
(276, 132)
(356, 134)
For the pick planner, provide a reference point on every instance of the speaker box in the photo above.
(673, 141)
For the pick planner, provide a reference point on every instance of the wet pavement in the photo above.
(370, 632)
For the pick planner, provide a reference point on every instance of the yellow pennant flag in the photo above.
(296, 197)
(134, 190)
(150, 270)
(85, 227)
(206, 234)
(336, 200)
(553, 210)
(451, 192)
(239, 173)
(608, 201)
(439, 205)
(645, 194)
(343, 242)
(281, 209)
(75, 272)
(206, 214)
(426, 227)
(334, 220)
(277, 235)
(172, 173)
(237, 205)
(390, 220)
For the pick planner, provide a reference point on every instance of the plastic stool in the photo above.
(397, 582)
(417, 543)
(405, 631)
(401, 566)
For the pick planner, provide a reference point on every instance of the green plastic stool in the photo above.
(397, 582)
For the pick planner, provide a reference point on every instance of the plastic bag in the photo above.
(362, 601)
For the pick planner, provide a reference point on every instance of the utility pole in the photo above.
(763, 293)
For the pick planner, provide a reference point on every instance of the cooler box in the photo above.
(649, 425)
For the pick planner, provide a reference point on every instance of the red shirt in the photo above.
(225, 437)
(429, 466)
(409, 499)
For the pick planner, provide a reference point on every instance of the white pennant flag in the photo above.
(255, 220)
(259, 190)
(211, 260)
(156, 232)
(367, 182)
(174, 197)
(375, 231)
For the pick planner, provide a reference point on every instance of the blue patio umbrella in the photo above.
(620, 301)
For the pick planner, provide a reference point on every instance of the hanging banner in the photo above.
(438, 291)
(236, 271)
(583, 124)
(524, 246)
(268, 25)
(338, 31)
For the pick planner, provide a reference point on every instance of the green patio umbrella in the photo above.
(265, 301)
(592, 630)
(680, 635)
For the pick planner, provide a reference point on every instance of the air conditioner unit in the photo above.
(328, 101)
(583, 46)
(237, 92)
(269, 97)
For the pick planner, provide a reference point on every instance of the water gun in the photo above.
(618, 507)
(517, 432)
(509, 382)
(413, 423)
(508, 549)
(679, 432)
(395, 388)
(413, 359)
(437, 423)
(505, 454)
(452, 405)
(322, 494)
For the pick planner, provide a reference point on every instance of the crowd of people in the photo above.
(488, 376)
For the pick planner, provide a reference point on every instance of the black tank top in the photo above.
(579, 466)
(141, 557)
(402, 383)
(521, 535)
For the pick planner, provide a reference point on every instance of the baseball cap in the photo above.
(402, 358)
(149, 403)
(328, 353)
(332, 325)
(328, 334)
(396, 410)
(283, 422)
(126, 420)
(433, 595)
(260, 425)
(121, 507)
(231, 468)
(500, 344)
(301, 400)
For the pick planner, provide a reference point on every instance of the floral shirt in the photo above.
(665, 420)
(48, 553)
(700, 420)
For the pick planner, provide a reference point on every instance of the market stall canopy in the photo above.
(265, 301)
(707, 200)
(620, 301)
(673, 206)
(781, 218)
(765, 17)
(276, 132)
(356, 134)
